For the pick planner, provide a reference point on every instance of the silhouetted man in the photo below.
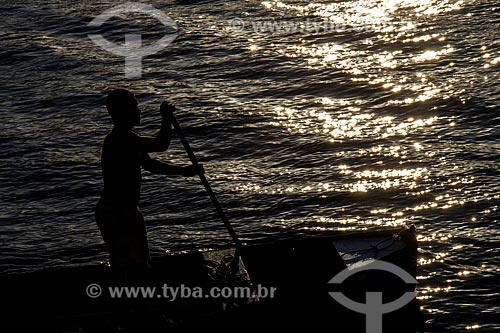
(123, 154)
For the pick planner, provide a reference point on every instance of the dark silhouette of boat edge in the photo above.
(298, 269)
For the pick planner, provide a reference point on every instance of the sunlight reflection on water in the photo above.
(389, 119)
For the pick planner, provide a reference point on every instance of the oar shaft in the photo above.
(205, 183)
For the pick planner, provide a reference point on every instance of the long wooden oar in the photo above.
(211, 193)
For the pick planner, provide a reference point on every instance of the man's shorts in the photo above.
(124, 233)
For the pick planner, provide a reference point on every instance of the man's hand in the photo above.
(193, 170)
(166, 110)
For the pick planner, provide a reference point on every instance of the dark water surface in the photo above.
(391, 118)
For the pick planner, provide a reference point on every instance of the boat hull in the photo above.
(298, 270)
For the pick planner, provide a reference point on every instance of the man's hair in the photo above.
(118, 99)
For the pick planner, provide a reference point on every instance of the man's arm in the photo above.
(164, 168)
(162, 139)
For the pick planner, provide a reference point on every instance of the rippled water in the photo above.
(384, 115)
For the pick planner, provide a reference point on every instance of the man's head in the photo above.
(122, 107)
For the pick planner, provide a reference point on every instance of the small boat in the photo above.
(294, 274)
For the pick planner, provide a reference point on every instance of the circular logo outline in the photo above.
(375, 265)
(132, 50)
